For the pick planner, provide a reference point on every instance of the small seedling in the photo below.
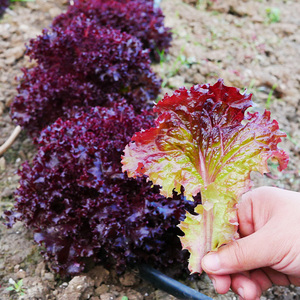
(250, 87)
(16, 287)
(162, 56)
(124, 298)
(175, 67)
(273, 15)
(203, 3)
(181, 60)
(269, 99)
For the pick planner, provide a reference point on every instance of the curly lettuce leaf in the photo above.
(207, 141)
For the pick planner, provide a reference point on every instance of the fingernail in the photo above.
(241, 293)
(211, 262)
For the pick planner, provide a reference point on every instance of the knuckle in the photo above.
(238, 254)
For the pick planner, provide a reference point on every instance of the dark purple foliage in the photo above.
(83, 64)
(3, 5)
(135, 17)
(82, 207)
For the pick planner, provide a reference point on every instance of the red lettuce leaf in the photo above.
(207, 141)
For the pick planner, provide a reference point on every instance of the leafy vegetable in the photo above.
(82, 65)
(206, 140)
(136, 17)
(82, 207)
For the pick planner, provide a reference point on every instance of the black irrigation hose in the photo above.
(169, 285)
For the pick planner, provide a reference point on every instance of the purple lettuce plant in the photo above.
(136, 17)
(83, 64)
(83, 208)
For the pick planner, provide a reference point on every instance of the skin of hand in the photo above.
(268, 251)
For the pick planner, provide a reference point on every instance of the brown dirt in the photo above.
(234, 40)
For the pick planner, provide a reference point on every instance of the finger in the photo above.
(245, 287)
(277, 277)
(221, 283)
(294, 280)
(254, 209)
(261, 279)
(245, 215)
(248, 253)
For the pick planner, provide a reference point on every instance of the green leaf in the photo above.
(20, 282)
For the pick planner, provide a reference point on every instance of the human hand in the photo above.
(268, 251)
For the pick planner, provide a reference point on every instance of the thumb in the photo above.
(245, 254)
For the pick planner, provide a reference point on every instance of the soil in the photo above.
(251, 44)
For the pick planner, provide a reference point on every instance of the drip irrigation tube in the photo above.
(169, 285)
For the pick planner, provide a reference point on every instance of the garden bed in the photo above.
(250, 44)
